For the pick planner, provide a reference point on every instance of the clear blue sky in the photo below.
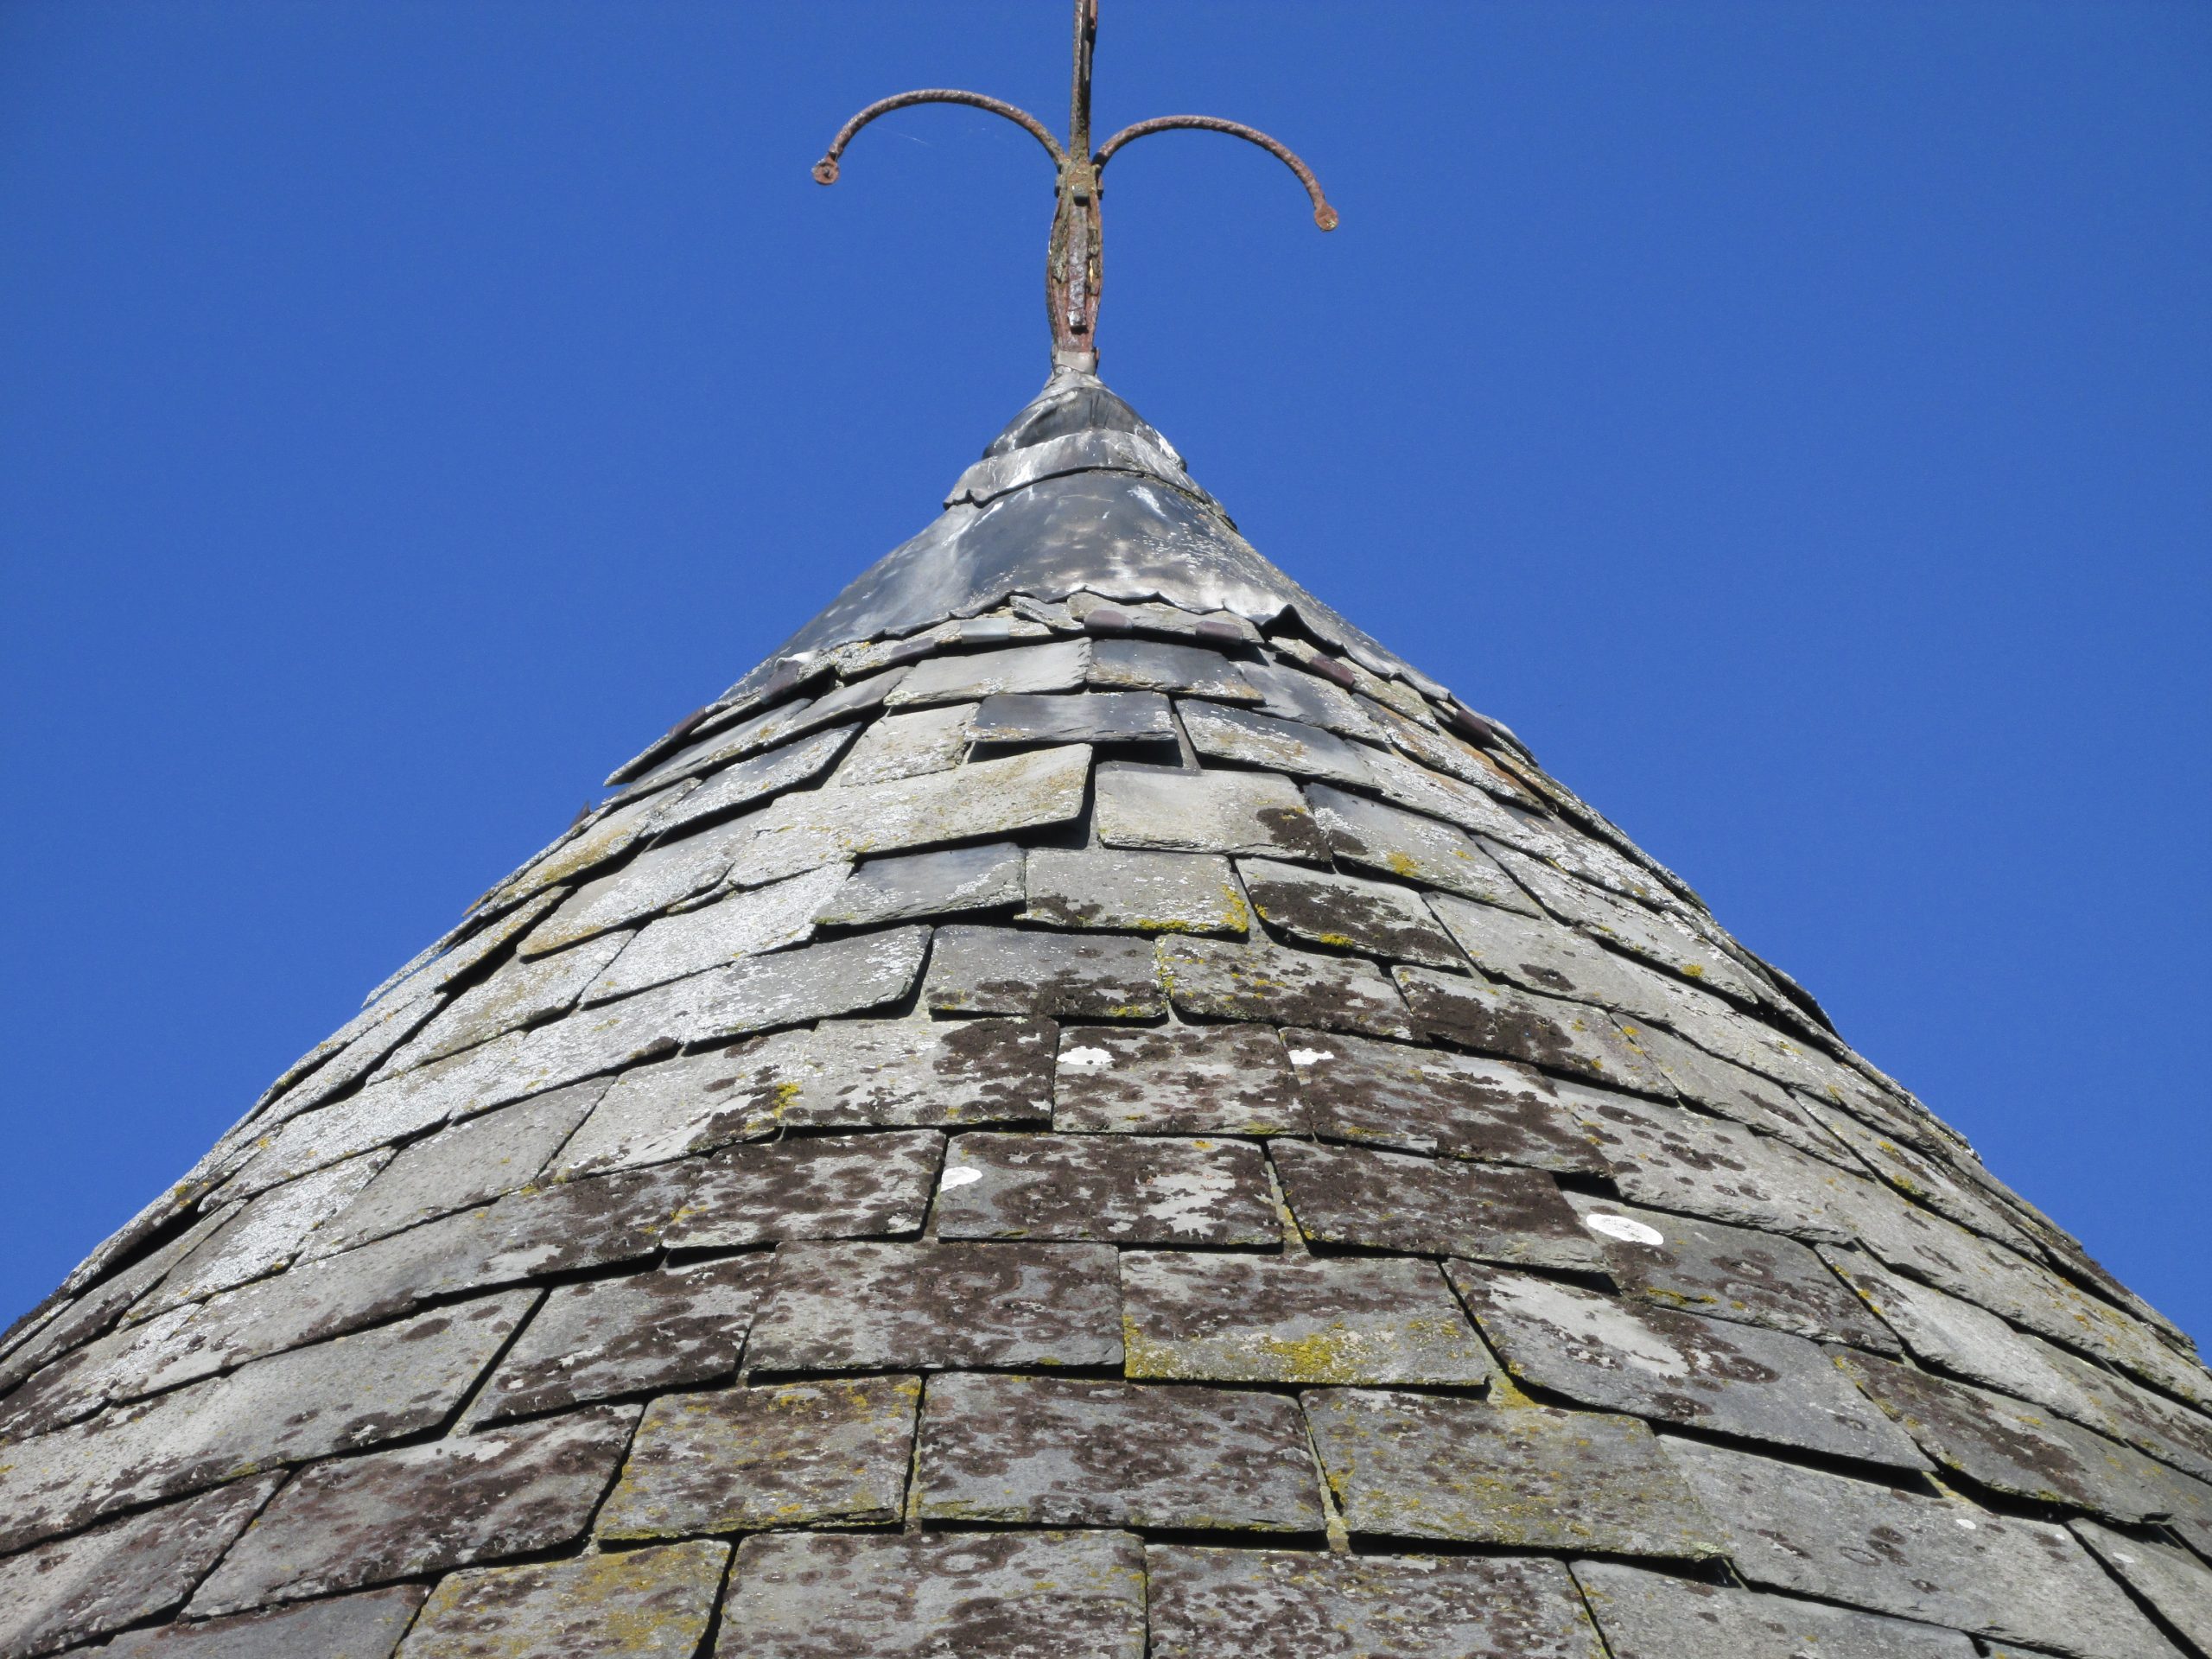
(1793, 419)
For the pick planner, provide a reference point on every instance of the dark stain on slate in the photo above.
(1062, 975)
(826, 1187)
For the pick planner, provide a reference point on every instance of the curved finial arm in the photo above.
(825, 170)
(1324, 215)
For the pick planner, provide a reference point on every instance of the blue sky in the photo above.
(1792, 419)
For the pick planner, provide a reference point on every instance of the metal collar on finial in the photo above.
(1071, 258)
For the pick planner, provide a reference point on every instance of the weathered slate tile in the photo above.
(929, 1306)
(737, 788)
(921, 1073)
(748, 923)
(606, 837)
(1431, 1206)
(1086, 717)
(422, 1508)
(724, 739)
(913, 885)
(1057, 666)
(1216, 979)
(80, 1382)
(1936, 1559)
(1672, 1158)
(1431, 1101)
(1026, 790)
(1289, 694)
(827, 1186)
(269, 1231)
(366, 1626)
(1412, 731)
(1176, 811)
(1064, 975)
(1651, 1362)
(65, 1593)
(907, 746)
(652, 1114)
(1728, 1272)
(817, 981)
(1174, 1080)
(1257, 739)
(1119, 1189)
(745, 1459)
(522, 992)
(1414, 1465)
(658, 877)
(1371, 836)
(1733, 1093)
(97, 1308)
(1658, 939)
(1157, 665)
(1655, 1616)
(1538, 954)
(1546, 1030)
(1348, 913)
(1195, 1317)
(1439, 795)
(1059, 1452)
(1255, 1604)
(979, 1595)
(2151, 1422)
(1148, 893)
(640, 1603)
(2172, 1581)
(1918, 1177)
(670, 1328)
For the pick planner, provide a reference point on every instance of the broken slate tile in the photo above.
(827, 1186)
(668, 1328)
(524, 992)
(1063, 975)
(696, 1103)
(1121, 1189)
(1347, 912)
(737, 788)
(1414, 1465)
(817, 981)
(1255, 740)
(748, 923)
(929, 1306)
(1086, 717)
(1671, 1158)
(1546, 1030)
(1235, 812)
(422, 1508)
(658, 877)
(1649, 1615)
(1055, 1452)
(745, 1459)
(1217, 979)
(913, 885)
(1429, 1206)
(366, 1626)
(921, 1073)
(1615, 1355)
(907, 746)
(1058, 666)
(1156, 665)
(1147, 892)
(639, 1604)
(1196, 1317)
(979, 1595)
(1241, 1603)
(2176, 1583)
(1174, 1080)
(1370, 836)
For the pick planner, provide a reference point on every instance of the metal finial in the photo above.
(1071, 258)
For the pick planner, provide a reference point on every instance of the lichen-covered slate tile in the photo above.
(1171, 811)
(2172, 1581)
(1255, 1604)
(1057, 666)
(907, 746)
(826, 1187)
(1347, 912)
(1064, 975)
(1728, 1272)
(524, 992)
(80, 1382)
(1538, 954)
(921, 1073)
(658, 877)
(1175, 1080)
(1149, 893)
(1733, 1093)
(752, 781)
(672, 1327)
(1429, 1206)
(912, 886)
(1288, 695)
(748, 923)
(1432, 1101)
(1156, 665)
(816, 982)
(1546, 1030)
(1196, 1317)
(1416, 1465)
(928, 1306)
(1027, 790)
(1371, 836)
(1255, 740)
(1118, 1189)
(67, 1593)
(422, 1508)
(1439, 795)
(2168, 1430)
(607, 838)
(1936, 1559)
(366, 1626)
(1649, 1615)
(1218, 979)
(1917, 1176)
(1068, 1452)
(269, 1231)
(1086, 717)
(1634, 928)
(693, 1103)
(639, 1604)
(1440, 751)
(1672, 1158)
(1651, 1362)
(979, 1595)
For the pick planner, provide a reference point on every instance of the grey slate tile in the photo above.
(1054, 1451)
(1538, 954)
(1174, 1080)
(1649, 1615)
(1238, 812)
(1261, 740)
(745, 785)
(1086, 717)
(658, 877)
(907, 746)
(1347, 912)
(1671, 1158)
(921, 1073)
(929, 1306)
(1119, 1189)
(1157, 665)
(912, 886)
(827, 1186)
(1416, 1465)
(1369, 834)
(1252, 1603)
(2176, 1583)
(745, 1459)
(1663, 941)
(422, 1509)
(818, 982)
(979, 1595)
(748, 923)
(1057, 666)
(366, 1626)
(1197, 1316)
(524, 991)
(1390, 1201)
(607, 838)
(1145, 892)
(652, 1114)
(640, 1603)
(1064, 975)
(269, 1231)
(1741, 1096)
(1287, 694)
(1546, 1030)
(1216, 979)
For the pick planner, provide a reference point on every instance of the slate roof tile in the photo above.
(640, 1603)
(1372, 835)
(366, 1626)
(1648, 1615)
(1158, 665)
(1058, 666)
(2177, 1584)
(1232, 1080)
(1145, 892)
(913, 885)
(1249, 739)
(1216, 979)
(907, 746)
(1084, 717)
(1545, 1031)
(1119, 1189)
(1064, 975)
(1371, 1199)
(1347, 912)
(824, 1186)
(1169, 810)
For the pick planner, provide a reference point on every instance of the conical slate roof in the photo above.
(1086, 1110)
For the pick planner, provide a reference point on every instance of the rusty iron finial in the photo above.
(1071, 258)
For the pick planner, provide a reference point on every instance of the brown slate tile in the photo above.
(1214, 979)
(1390, 1201)
(1174, 1080)
(1063, 975)
(366, 1626)
(1119, 1189)
(639, 1604)
(826, 1187)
